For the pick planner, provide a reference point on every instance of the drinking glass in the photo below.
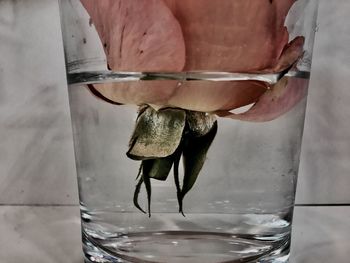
(187, 120)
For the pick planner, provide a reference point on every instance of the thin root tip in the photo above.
(182, 213)
(139, 208)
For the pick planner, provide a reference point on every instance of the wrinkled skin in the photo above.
(238, 36)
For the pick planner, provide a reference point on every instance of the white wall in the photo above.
(325, 165)
(36, 150)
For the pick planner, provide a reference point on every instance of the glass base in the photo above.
(184, 247)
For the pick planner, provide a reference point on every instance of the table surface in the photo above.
(51, 234)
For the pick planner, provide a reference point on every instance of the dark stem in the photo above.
(147, 181)
(140, 172)
(177, 180)
(136, 194)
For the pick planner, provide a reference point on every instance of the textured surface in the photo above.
(40, 235)
(321, 235)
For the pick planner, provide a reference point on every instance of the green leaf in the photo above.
(199, 123)
(159, 169)
(157, 133)
(194, 156)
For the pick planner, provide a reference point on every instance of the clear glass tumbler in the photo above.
(187, 119)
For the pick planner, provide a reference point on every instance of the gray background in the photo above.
(39, 216)
(36, 150)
